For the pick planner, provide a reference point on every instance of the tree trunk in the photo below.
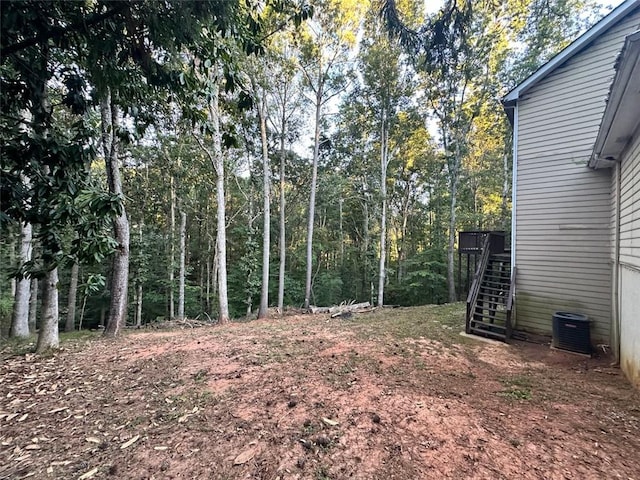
(266, 222)
(13, 284)
(283, 231)
(384, 153)
(312, 198)
(20, 317)
(120, 272)
(172, 247)
(366, 240)
(452, 227)
(140, 279)
(183, 254)
(402, 250)
(221, 238)
(33, 305)
(139, 305)
(70, 324)
(249, 244)
(48, 334)
(208, 286)
(341, 229)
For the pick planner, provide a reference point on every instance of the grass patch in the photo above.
(517, 387)
(79, 335)
(437, 322)
(18, 346)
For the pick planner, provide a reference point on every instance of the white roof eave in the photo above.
(621, 118)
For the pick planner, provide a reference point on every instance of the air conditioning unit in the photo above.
(571, 332)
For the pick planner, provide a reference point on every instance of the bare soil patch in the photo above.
(394, 394)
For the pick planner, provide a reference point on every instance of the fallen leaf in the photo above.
(245, 456)
(33, 446)
(329, 422)
(130, 442)
(93, 439)
(23, 417)
(89, 474)
(160, 448)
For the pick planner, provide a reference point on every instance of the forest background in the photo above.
(213, 159)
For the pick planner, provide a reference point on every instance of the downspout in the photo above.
(615, 321)
(514, 186)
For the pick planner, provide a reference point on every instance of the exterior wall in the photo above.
(563, 209)
(629, 286)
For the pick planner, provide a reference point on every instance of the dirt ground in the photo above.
(394, 394)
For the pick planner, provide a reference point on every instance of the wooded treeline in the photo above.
(210, 159)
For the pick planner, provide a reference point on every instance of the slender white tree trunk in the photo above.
(454, 176)
(172, 247)
(139, 283)
(48, 334)
(283, 228)
(214, 273)
(208, 286)
(312, 198)
(139, 305)
(366, 240)
(221, 238)
(70, 323)
(250, 235)
(402, 253)
(383, 220)
(183, 254)
(120, 271)
(266, 222)
(341, 228)
(20, 316)
(33, 305)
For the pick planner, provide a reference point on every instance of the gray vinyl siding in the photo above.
(630, 262)
(630, 207)
(563, 209)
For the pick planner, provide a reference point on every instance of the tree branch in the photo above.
(57, 31)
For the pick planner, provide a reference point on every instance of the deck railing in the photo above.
(472, 297)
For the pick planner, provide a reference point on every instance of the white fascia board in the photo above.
(572, 49)
(621, 117)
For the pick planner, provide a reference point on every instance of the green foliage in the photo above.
(6, 307)
(327, 288)
(543, 28)
(160, 61)
(424, 281)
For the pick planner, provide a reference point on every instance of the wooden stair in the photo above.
(490, 300)
(489, 315)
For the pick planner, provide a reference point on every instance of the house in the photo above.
(576, 187)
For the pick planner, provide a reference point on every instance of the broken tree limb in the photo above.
(338, 310)
(354, 307)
